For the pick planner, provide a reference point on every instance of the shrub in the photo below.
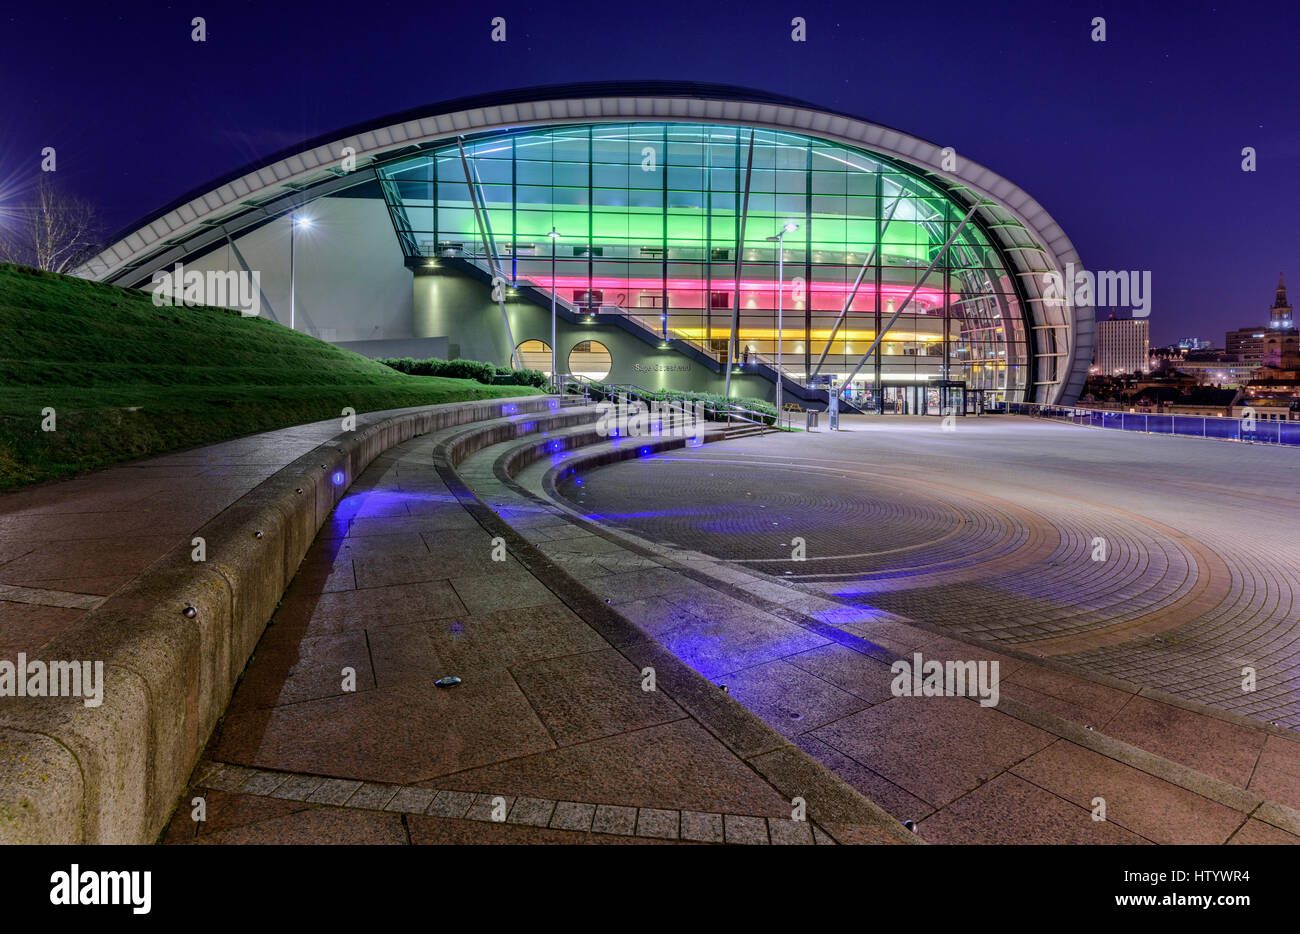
(467, 369)
(451, 369)
(534, 378)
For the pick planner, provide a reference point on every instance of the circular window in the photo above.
(590, 359)
(535, 355)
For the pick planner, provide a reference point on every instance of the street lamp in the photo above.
(294, 223)
(555, 373)
(780, 295)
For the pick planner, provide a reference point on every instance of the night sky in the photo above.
(1134, 145)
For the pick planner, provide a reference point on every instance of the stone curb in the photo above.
(835, 805)
(174, 642)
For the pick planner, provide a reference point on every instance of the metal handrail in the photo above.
(581, 383)
(478, 260)
(717, 412)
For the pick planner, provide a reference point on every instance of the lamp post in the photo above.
(555, 373)
(780, 295)
(294, 223)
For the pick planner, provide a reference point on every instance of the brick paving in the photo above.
(989, 532)
(1030, 770)
(244, 811)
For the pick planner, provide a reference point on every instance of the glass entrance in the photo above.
(952, 398)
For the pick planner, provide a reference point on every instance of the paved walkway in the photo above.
(1172, 563)
(1032, 769)
(66, 546)
(338, 731)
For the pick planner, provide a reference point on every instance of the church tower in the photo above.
(1280, 316)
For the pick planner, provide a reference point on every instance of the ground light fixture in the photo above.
(779, 239)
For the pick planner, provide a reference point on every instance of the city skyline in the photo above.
(1270, 319)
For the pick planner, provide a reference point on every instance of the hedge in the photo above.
(484, 373)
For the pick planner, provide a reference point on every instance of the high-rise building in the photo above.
(1123, 346)
(1246, 344)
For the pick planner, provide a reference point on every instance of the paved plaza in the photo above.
(1120, 582)
(65, 547)
(552, 724)
(1172, 563)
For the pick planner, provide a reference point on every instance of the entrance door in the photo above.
(953, 400)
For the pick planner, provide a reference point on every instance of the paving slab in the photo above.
(936, 748)
(1009, 810)
(1154, 809)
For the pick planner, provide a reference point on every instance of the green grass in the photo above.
(127, 380)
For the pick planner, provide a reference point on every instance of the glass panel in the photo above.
(649, 215)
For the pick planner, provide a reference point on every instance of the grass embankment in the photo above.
(128, 380)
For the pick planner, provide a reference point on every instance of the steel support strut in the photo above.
(497, 281)
(919, 282)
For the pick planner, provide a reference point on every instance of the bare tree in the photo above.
(55, 231)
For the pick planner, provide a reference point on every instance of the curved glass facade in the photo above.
(653, 221)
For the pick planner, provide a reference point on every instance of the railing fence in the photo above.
(1255, 430)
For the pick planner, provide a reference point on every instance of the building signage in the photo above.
(662, 367)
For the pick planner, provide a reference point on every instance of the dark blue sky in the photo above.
(1134, 145)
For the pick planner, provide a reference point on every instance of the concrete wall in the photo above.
(414, 347)
(351, 285)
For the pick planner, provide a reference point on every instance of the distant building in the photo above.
(1123, 346)
(1267, 344)
(1225, 372)
(1165, 358)
(1281, 348)
(1246, 344)
(1279, 316)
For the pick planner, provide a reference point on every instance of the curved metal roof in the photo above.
(1032, 241)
